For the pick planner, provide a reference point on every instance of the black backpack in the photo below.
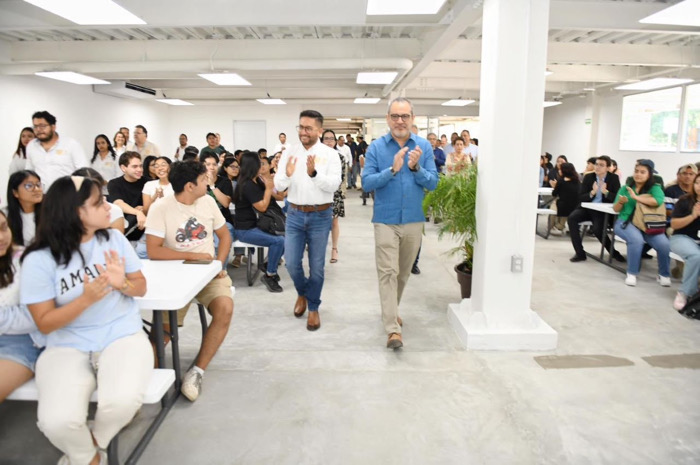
(692, 307)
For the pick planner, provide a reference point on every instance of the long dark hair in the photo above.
(7, 269)
(250, 167)
(96, 151)
(569, 171)
(647, 185)
(228, 161)
(21, 149)
(14, 209)
(147, 162)
(691, 196)
(334, 137)
(61, 229)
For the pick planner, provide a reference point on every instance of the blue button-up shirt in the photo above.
(598, 198)
(398, 198)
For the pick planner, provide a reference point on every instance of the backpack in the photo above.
(272, 222)
(692, 307)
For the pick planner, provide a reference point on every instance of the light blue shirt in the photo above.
(599, 193)
(398, 198)
(113, 317)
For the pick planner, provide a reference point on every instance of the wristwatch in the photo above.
(393, 173)
(313, 175)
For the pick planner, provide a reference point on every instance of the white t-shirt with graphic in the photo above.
(185, 228)
(113, 317)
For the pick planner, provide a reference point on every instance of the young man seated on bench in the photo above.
(182, 227)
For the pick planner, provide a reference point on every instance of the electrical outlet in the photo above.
(516, 264)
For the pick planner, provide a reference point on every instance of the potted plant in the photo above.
(453, 202)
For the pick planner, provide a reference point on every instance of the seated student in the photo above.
(553, 175)
(191, 153)
(683, 184)
(254, 193)
(642, 189)
(686, 226)
(80, 290)
(182, 227)
(590, 167)
(19, 338)
(125, 193)
(597, 187)
(220, 189)
(566, 191)
(25, 193)
(158, 188)
(116, 215)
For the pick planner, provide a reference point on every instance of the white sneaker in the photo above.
(103, 458)
(63, 461)
(680, 301)
(555, 232)
(192, 385)
(665, 281)
(631, 280)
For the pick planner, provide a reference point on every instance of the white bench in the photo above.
(251, 274)
(673, 256)
(548, 212)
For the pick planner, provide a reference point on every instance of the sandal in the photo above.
(334, 251)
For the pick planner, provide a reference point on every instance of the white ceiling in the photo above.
(311, 51)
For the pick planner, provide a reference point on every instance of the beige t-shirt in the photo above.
(185, 228)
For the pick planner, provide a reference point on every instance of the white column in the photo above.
(514, 47)
(593, 112)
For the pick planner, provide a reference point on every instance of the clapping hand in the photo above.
(413, 157)
(113, 269)
(291, 166)
(96, 289)
(310, 164)
(398, 159)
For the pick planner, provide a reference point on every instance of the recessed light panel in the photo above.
(367, 100)
(656, 83)
(271, 101)
(376, 78)
(173, 101)
(551, 104)
(458, 102)
(403, 7)
(73, 78)
(89, 12)
(225, 79)
(685, 13)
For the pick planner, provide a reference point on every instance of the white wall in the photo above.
(80, 114)
(565, 132)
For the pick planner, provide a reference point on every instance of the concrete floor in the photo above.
(277, 393)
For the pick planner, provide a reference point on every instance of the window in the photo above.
(691, 119)
(650, 120)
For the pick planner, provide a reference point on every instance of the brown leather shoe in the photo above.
(400, 321)
(313, 322)
(300, 306)
(394, 341)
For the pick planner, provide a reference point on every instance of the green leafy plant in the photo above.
(453, 202)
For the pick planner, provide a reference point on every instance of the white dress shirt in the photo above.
(303, 189)
(472, 150)
(346, 153)
(60, 160)
(278, 148)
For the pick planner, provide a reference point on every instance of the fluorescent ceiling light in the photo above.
(89, 12)
(458, 102)
(551, 103)
(343, 119)
(589, 89)
(376, 78)
(367, 100)
(655, 83)
(404, 7)
(272, 101)
(548, 72)
(173, 101)
(685, 13)
(73, 78)
(225, 79)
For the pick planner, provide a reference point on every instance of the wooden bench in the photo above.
(161, 381)
(252, 273)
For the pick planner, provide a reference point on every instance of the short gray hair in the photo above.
(399, 100)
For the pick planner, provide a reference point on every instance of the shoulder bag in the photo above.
(650, 220)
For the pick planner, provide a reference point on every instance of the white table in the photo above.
(608, 211)
(545, 190)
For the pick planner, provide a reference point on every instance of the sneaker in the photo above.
(415, 269)
(192, 385)
(665, 281)
(555, 232)
(578, 258)
(236, 262)
(680, 301)
(631, 280)
(271, 283)
(102, 454)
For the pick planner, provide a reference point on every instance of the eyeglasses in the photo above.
(30, 186)
(395, 117)
(306, 129)
(41, 126)
(329, 139)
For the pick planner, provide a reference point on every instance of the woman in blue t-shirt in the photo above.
(79, 279)
(684, 242)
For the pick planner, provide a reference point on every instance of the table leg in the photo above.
(174, 344)
(604, 236)
(159, 336)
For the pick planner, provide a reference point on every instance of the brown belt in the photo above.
(310, 208)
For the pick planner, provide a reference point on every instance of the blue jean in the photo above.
(310, 228)
(635, 242)
(231, 231)
(689, 250)
(275, 245)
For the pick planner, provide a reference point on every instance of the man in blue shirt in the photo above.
(437, 152)
(399, 167)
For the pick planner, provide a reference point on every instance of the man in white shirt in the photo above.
(50, 156)
(469, 148)
(347, 155)
(311, 171)
(283, 145)
(180, 151)
(141, 145)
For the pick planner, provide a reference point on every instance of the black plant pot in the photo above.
(464, 278)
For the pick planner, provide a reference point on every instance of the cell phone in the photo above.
(197, 262)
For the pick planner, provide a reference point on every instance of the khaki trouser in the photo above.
(395, 248)
(66, 378)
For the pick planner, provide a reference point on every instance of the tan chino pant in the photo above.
(395, 248)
